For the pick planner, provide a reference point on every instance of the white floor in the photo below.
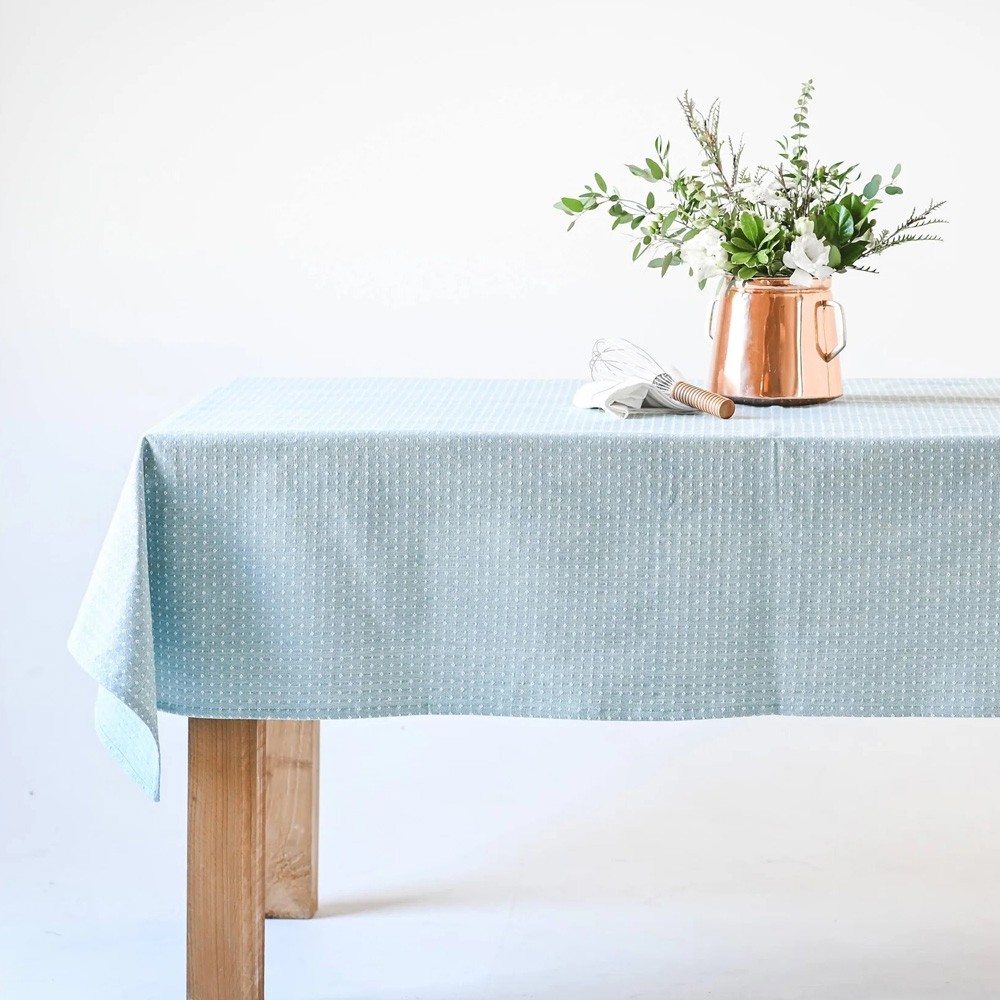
(759, 859)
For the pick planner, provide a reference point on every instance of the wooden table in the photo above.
(355, 548)
(253, 838)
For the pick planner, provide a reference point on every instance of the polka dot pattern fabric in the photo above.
(327, 548)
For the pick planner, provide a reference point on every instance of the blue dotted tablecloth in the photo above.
(324, 548)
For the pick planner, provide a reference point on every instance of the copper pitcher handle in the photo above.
(720, 293)
(840, 324)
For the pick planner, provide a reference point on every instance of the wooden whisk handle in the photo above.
(702, 399)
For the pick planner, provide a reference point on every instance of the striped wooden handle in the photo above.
(702, 399)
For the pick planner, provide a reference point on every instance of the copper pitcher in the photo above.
(775, 342)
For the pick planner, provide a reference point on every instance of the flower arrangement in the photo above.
(797, 219)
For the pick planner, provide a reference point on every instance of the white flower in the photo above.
(780, 205)
(808, 258)
(766, 192)
(771, 226)
(804, 226)
(704, 254)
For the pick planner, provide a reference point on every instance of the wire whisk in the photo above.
(617, 358)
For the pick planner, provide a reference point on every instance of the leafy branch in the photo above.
(705, 129)
(904, 233)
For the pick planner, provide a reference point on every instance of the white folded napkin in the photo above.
(626, 398)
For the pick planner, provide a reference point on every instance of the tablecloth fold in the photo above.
(112, 638)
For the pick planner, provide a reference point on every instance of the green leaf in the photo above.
(650, 200)
(741, 244)
(742, 258)
(639, 172)
(843, 224)
(763, 257)
(896, 169)
(573, 204)
(850, 253)
(825, 228)
(834, 257)
(656, 262)
(871, 188)
(638, 250)
(669, 219)
(858, 208)
(893, 189)
(655, 169)
(601, 183)
(562, 208)
(745, 273)
(571, 225)
(667, 261)
(637, 221)
(752, 226)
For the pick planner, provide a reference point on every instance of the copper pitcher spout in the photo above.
(775, 342)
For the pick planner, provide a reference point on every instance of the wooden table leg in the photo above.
(225, 907)
(292, 819)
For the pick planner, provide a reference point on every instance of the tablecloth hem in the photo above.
(768, 712)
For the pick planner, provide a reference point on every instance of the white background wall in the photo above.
(193, 191)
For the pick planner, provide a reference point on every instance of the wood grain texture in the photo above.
(291, 819)
(225, 906)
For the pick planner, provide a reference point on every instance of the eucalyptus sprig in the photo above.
(798, 218)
